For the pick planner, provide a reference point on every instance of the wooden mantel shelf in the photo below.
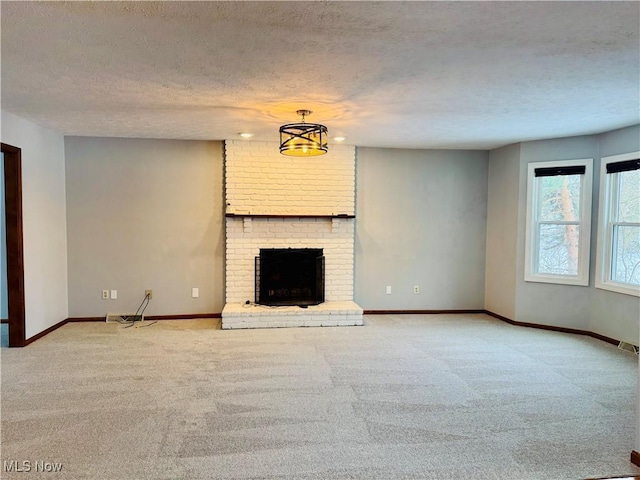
(267, 215)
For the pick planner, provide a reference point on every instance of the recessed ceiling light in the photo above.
(339, 139)
(246, 135)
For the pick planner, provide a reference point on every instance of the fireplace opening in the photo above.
(289, 276)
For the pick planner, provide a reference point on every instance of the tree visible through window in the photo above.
(625, 261)
(558, 217)
(558, 223)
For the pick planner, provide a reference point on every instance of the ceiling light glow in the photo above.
(303, 139)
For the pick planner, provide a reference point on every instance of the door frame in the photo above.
(15, 254)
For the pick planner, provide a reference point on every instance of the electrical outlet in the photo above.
(416, 289)
(114, 294)
(388, 289)
(195, 292)
(105, 294)
(148, 293)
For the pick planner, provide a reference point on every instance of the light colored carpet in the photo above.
(403, 397)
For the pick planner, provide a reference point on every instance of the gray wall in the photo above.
(43, 221)
(613, 314)
(608, 313)
(502, 223)
(3, 247)
(601, 311)
(561, 305)
(144, 214)
(420, 220)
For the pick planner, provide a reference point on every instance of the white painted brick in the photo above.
(260, 180)
(258, 167)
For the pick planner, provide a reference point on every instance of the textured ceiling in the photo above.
(384, 74)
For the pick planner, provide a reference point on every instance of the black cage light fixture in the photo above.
(303, 139)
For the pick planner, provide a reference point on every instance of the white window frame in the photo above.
(530, 270)
(605, 229)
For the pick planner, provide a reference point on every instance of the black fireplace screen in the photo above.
(289, 276)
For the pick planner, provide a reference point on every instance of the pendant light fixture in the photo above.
(303, 139)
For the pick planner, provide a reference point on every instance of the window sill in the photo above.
(619, 288)
(576, 282)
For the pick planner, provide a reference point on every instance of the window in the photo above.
(558, 222)
(618, 262)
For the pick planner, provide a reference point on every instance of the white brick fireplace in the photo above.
(276, 201)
